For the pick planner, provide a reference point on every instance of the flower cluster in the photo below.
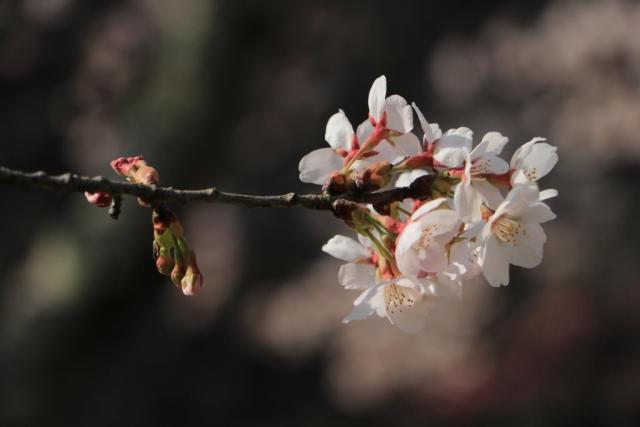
(481, 213)
(172, 254)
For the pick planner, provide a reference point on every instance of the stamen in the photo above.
(507, 230)
(532, 174)
(396, 298)
(480, 167)
(425, 240)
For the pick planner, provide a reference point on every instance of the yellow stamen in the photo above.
(396, 298)
(507, 230)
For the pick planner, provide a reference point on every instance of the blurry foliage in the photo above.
(234, 93)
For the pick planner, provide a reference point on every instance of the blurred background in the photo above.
(234, 93)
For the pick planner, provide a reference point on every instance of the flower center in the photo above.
(424, 241)
(532, 174)
(507, 230)
(396, 298)
(480, 168)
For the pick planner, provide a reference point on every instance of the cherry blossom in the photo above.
(404, 302)
(532, 161)
(474, 188)
(388, 130)
(513, 235)
(317, 166)
(479, 214)
(360, 270)
(391, 113)
(431, 131)
(422, 245)
(423, 158)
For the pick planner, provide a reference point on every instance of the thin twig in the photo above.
(69, 182)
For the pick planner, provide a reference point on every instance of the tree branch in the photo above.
(155, 195)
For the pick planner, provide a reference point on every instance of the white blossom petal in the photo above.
(549, 193)
(490, 164)
(407, 307)
(527, 249)
(428, 207)
(539, 161)
(474, 229)
(368, 302)
(536, 158)
(385, 152)
(357, 275)
(451, 147)
(519, 177)
(339, 132)
(364, 130)
(495, 265)
(424, 124)
(517, 200)
(317, 166)
(536, 213)
(414, 258)
(377, 96)
(399, 114)
(443, 221)
(431, 131)
(522, 152)
(345, 248)
(459, 255)
(467, 201)
(489, 193)
(495, 142)
(409, 236)
(406, 145)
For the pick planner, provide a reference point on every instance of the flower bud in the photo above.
(164, 260)
(99, 199)
(126, 165)
(373, 177)
(165, 265)
(337, 184)
(192, 281)
(135, 169)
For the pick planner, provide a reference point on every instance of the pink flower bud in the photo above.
(100, 199)
(192, 281)
(191, 284)
(165, 265)
(123, 165)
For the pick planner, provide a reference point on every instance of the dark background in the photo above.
(234, 93)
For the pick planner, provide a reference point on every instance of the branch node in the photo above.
(291, 198)
(66, 177)
(211, 193)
